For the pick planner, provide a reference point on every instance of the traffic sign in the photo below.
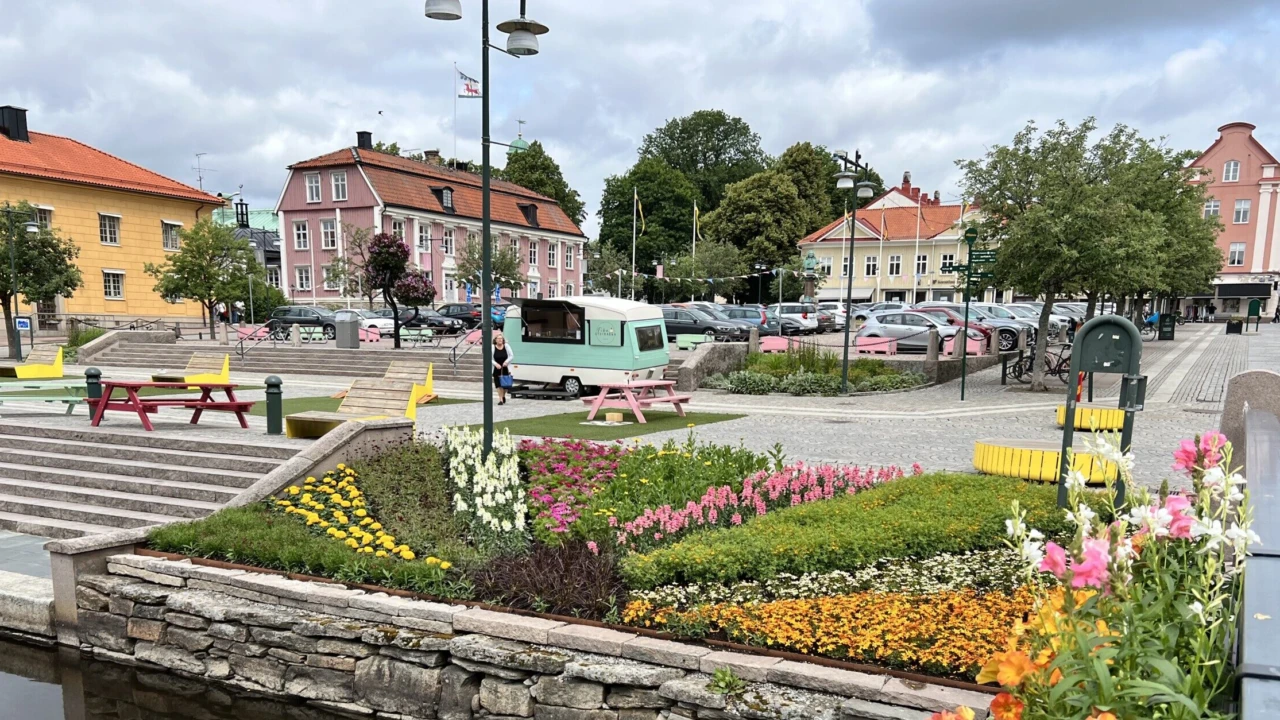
(971, 235)
(983, 274)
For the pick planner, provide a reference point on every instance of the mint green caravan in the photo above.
(580, 342)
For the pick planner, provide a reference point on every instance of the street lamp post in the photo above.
(522, 40)
(847, 180)
(759, 268)
(253, 245)
(32, 228)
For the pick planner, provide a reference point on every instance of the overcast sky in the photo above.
(913, 84)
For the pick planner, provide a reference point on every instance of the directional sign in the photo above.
(983, 275)
(971, 235)
(982, 256)
(955, 268)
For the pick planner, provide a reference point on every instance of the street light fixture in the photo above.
(522, 41)
(847, 179)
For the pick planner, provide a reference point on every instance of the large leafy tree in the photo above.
(666, 197)
(45, 265)
(811, 168)
(348, 271)
(711, 148)
(604, 267)
(212, 266)
(534, 169)
(763, 216)
(387, 265)
(714, 271)
(504, 265)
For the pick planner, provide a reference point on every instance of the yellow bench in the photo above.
(203, 367)
(370, 399)
(1036, 460)
(1090, 416)
(44, 363)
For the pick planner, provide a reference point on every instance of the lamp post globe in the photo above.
(865, 190)
(522, 35)
(444, 9)
(845, 180)
(32, 228)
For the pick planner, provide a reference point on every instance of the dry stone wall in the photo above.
(376, 655)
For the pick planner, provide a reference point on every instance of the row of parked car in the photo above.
(990, 322)
(449, 319)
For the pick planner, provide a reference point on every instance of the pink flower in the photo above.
(595, 549)
(1184, 458)
(1091, 569)
(1180, 526)
(736, 519)
(1055, 559)
(1211, 445)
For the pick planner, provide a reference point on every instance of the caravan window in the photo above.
(650, 338)
(552, 325)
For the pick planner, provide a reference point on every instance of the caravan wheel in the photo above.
(572, 386)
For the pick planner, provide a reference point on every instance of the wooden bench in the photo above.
(635, 396)
(44, 363)
(875, 346)
(690, 341)
(368, 399)
(372, 336)
(253, 333)
(971, 346)
(73, 397)
(203, 367)
(774, 344)
(417, 335)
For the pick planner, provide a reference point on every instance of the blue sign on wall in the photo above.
(23, 323)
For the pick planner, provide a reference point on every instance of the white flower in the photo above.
(1084, 517)
(1035, 534)
(1076, 480)
(1152, 518)
(1211, 532)
(1215, 479)
(1032, 552)
(1013, 527)
(1196, 609)
(1241, 538)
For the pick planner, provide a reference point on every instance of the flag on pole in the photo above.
(470, 87)
(640, 209)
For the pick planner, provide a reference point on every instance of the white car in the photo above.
(797, 311)
(368, 320)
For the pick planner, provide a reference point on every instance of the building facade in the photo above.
(119, 215)
(435, 209)
(1243, 179)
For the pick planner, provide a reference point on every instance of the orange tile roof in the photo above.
(898, 223)
(409, 183)
(53, 157)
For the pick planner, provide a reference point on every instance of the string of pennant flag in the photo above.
(622, 272)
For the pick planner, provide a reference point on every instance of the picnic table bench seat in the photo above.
(44, 363)
(203, 367)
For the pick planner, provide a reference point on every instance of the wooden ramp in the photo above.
(1036, 460)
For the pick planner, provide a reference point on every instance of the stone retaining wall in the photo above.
(377, 655)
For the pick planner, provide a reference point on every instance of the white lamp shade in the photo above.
(33, 228)
(844, 180)
(522, 42)
(865, 192)
(444, 9)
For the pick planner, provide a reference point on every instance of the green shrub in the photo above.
(808, 383)
(746, 382)
(918, 516)
(716, 382)
(79, 334)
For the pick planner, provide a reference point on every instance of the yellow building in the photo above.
(121, 217)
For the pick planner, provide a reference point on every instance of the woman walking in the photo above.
(502, 357)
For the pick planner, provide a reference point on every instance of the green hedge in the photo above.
(918, 516)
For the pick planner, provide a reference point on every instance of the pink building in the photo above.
(1243, 179)
(435, 209)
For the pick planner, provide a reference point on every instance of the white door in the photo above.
(450, 288)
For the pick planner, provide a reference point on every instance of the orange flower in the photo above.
(961, 713)
(1102, 716)
(1008, 707)
(1006, 668)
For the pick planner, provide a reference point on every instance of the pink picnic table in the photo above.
(636, 395)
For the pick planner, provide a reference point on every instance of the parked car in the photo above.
(692, 321)
(717, 313)
(367, 319)
(910, 328)
(866, 312)
(428, 318)
(767, 323)
(956, 318)
(788, 326)
(1057, 323)
(470, 312)
(286, 316)
(826, 319)
(1006, 330)
(999, 311)
(837, 310)
(799, 313)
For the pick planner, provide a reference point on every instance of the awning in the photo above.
(859, 294)
(1244, 290)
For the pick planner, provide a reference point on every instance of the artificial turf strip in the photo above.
(570, 425)
(117, 394)
(326, 404)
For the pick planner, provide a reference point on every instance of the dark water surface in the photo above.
(44, 684)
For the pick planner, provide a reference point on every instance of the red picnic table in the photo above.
(636, 395)
(144, 406)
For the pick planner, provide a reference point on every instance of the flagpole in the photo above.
(695, 229)
(880, 260)
(455, 116)
(635, 198)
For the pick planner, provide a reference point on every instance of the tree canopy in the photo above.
(534, 169)
(762, 215)
(712, 272)
(709, 147)
(602, 271)
(666, 197)
(504, 265)
(45, 262)
(211, 266)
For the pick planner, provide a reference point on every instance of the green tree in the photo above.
(762, 215)
(711, 148)
(212, 267)
(713, 272)
(504, 265)
(386, 265)
(811, 168)
(45, 264)
(536, 170)
(792, 284)
(602, 271)
(347, 272)
(667, 199)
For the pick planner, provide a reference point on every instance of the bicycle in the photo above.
(1058, 364)
(1148, 331)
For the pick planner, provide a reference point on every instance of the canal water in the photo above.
(47, 684)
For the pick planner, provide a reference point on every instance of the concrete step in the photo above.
(258, 446)
(112, 499)
(50, 527)
(53, 467)
(211, 461)
(75, 512)
(175, 489)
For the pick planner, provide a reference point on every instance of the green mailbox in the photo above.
(1106, 344)
(1255, 314)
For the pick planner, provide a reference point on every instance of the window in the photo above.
(568, 289)
(273, 276)
(313, 187)
(1242, 212)
(533, 253)
(948, 259)
(1235, 257)
(330, 278)
(551, 290)
(446, 198)
(553, 325)
(922, 264)
(533, 289)
(109, 229)
(551, 254)
(824, 264)
(568, 259)
(339, 179)
(515, 246)
(112, 285)
(301, 235)
(397, 228)
(1231, 171)
(473, 238)
(44, 216)
(895, 265)
(447, 242)
(844, 266)
(302, 277)
(172, 240)
(424, 236)
(649, 338)
(871, 266)
(328, 234)
(1212, 208)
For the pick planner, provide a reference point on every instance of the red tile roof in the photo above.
(52, 157)
(898, 223)
(410, 183)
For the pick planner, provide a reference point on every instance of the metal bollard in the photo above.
(93, 383)
(275, 405)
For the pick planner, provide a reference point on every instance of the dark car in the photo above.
(286, 316)
(692, 321)
(468, 313)
(827, 321)
(428, 318)
(789, 326)
(717, 312)
(756, 315)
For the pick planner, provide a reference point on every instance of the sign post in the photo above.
(970, 237)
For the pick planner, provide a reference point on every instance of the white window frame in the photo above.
(948, 259)
(397, 227)
(109, 229)
(568, 258)
(446, 198)
(568, 289)
(301, 235)
(447, 241)
(844, 266)
(1235, 255)
(533, 288)
(922, 264)
(165, 227)
(338, 182)
(273, 276)
(551, 290)
(1231, 171)
(328, 233)
(424, 236)
(533, 253)
(895, 260)
(117, 273)
(312, 182)
(1243, 208)
(330, 282)
(44, 216)
(825, 264)
(1212, 208)
(299, 283)
(552, 254)
(871, 266)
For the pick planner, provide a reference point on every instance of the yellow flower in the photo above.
(690, 425)
(351, 543)
(366, 521)
(283, 503)
(376, 526)
(446, 565)
(324, 524)
(311, 480)
(380, 553)
(407, 554)
(361, 513)
(342, 466)
(308, 488)
(433, 560)
(306, 497)
(367, 539)
(293, 490)
(707, 463)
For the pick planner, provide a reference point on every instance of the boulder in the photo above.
(388, 685)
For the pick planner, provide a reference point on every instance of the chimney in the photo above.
(364, 140)
(906, 184)
(432, 157)
(937, 197)
(242, 214)
(13, 123)
(915, 193)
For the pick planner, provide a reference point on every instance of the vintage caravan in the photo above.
(579, 342)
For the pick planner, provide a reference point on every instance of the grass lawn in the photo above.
(326, 404)
(570, 425)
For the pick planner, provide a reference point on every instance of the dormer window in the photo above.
(1231, 171)
(530, 212)
(444, 195)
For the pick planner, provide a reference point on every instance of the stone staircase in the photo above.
(60, 482)
(266, 360)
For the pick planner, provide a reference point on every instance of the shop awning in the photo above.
(859, 294)
(1244, 290)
